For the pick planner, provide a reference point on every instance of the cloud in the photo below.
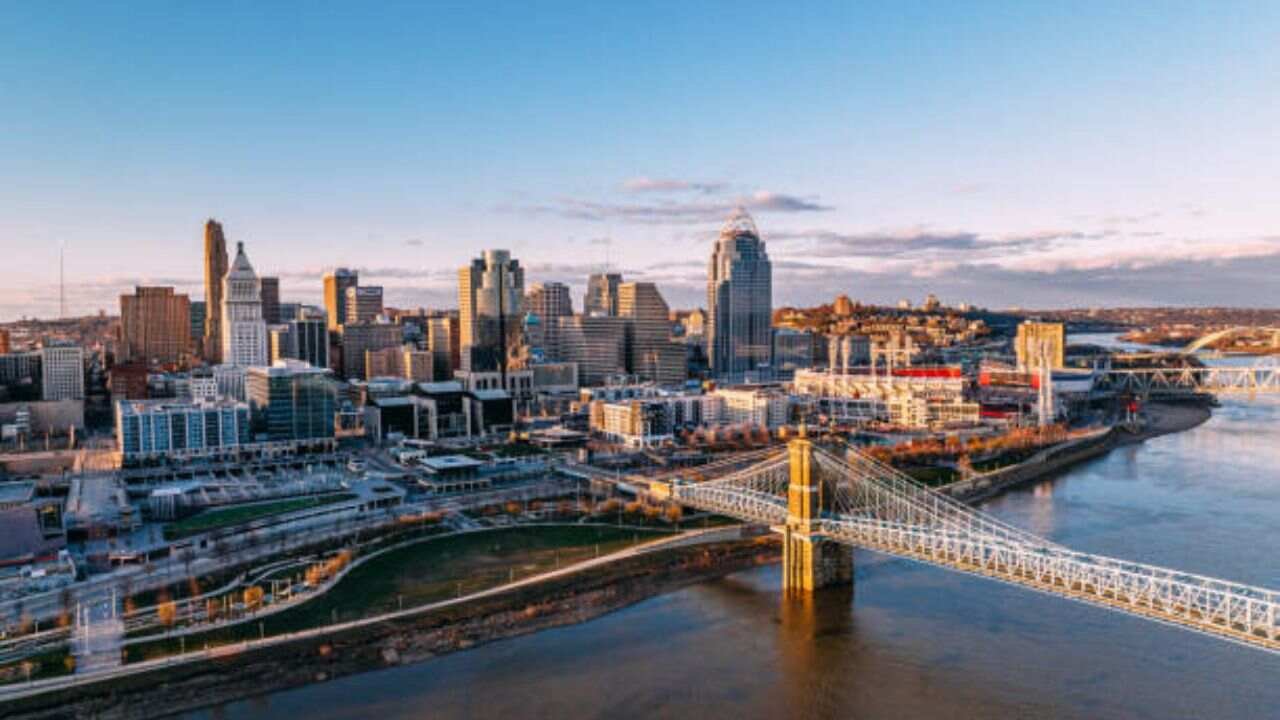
(669, 211)
(912, 242)
(414, 242)
(646, 184)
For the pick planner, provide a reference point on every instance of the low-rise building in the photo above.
(165, 429)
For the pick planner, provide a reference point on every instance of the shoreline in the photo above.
(1162, 418)
(585, 595)
(243, 671)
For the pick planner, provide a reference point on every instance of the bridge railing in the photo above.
(1240, 612)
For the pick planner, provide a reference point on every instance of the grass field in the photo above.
(423, 573)
(52, 663)
(241, 514)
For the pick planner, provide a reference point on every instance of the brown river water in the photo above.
(908, 641)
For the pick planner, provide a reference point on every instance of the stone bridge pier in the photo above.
(810, 560)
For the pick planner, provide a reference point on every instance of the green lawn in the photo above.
(214, 519)
(932, 475)
(51, 663)
(422, 573)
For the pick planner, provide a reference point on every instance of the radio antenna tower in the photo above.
(62, 280)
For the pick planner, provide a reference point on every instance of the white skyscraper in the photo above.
(244, 333)
(63, 372)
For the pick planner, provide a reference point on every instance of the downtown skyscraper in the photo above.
(155, 326)
(602, 294)
(490, 294)
(335, 295)
(215, 270)
(244, 334)
(739, 300)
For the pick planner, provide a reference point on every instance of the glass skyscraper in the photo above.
(739, 301)
(292, 400)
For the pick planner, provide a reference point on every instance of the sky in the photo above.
(1003, 154)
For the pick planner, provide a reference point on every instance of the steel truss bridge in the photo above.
(1260, 378)
(870, 505)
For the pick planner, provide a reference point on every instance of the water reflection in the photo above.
(912, 641)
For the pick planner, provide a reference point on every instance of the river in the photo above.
(909, 640)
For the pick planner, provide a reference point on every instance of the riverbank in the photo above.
(246, 670)
(1159, 418)
(1164, 418)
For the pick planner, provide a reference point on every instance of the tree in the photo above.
(253, 597)
(167, 613)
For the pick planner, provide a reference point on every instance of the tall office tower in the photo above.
(270, 300)
(359, 338)
(62, 372)
(305, 338)
(155, 326)
(4, 341)
(597, 343)
(280, 343)
(292, 400)
(443, 342)
(335, 295)
(310, 333)
(197, 314)
(602, 294)
(651, 354)
(739, 300)
(215, 269)
(364, 304)
(549, 300)
(244, 334)
(490, 291)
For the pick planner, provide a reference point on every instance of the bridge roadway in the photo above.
(1260, 378)
(872, 506)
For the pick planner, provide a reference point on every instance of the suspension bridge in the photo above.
(822, 503)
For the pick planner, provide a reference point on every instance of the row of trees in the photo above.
(953, 448)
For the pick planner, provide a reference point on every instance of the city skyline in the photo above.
(1001, 156)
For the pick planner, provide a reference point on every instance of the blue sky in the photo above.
(1028, 154)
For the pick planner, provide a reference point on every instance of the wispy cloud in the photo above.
(671, 211)
(668, 185)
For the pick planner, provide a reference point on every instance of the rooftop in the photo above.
(450, 462)
(18, 492)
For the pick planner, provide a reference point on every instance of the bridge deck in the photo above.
(873, 506)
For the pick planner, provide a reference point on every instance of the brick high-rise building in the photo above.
(4, 342)
(155, 326)
(215, 271)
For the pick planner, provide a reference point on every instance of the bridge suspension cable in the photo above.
(876, 507)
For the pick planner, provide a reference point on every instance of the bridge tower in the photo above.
(810, 560)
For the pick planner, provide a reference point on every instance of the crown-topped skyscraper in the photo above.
(739, 300)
